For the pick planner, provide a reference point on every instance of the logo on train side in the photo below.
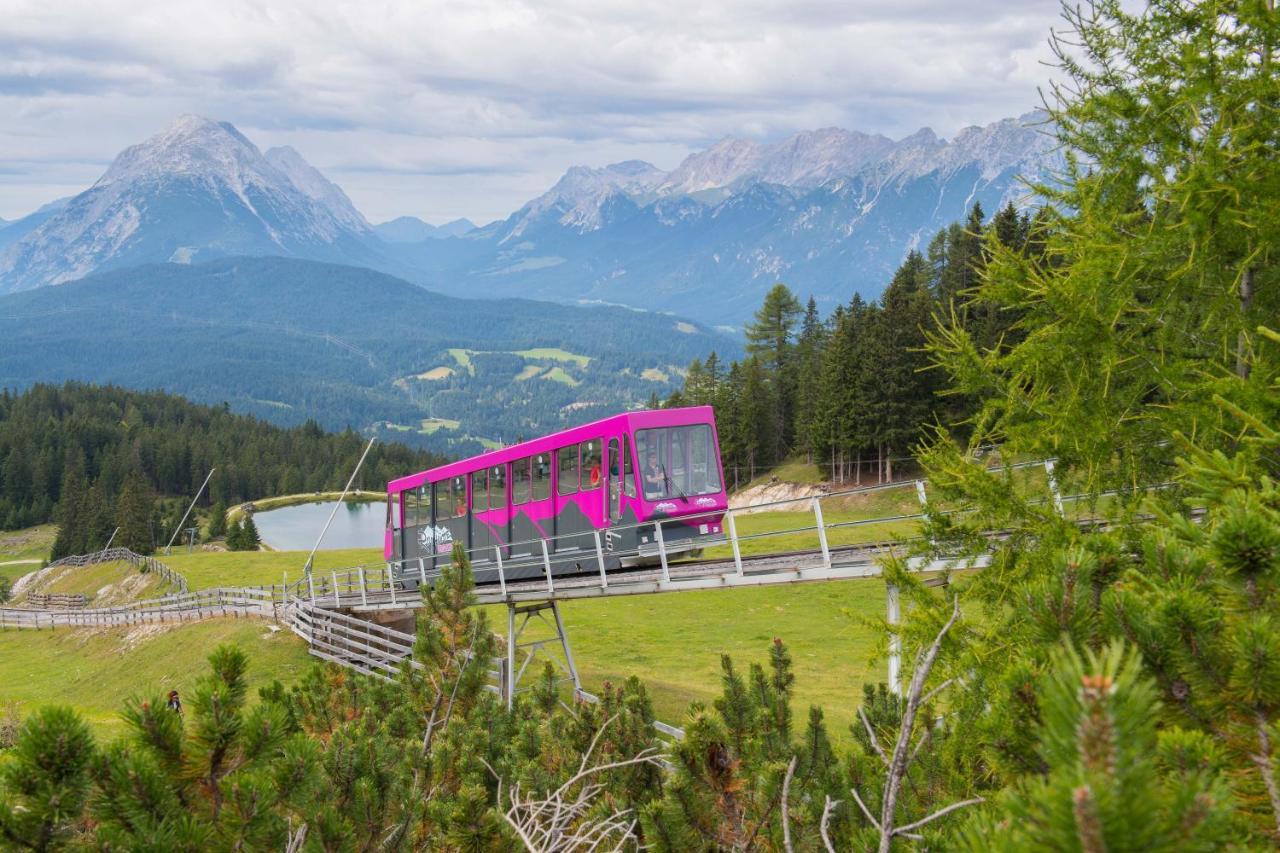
(665, 507)
(437, 539)
(706, 501)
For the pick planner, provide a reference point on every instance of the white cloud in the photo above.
(450, 109)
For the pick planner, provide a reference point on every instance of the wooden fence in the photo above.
(140, 562)
(59, 600)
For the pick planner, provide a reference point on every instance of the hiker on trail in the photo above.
(175, 704)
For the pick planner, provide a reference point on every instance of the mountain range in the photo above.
(831, 212)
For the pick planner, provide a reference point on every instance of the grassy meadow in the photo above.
(673, 642)
(96, 670)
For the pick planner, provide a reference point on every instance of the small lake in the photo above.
(295, 528)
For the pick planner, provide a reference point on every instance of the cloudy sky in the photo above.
(470, 108)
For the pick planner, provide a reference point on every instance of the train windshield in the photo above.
(678, 462)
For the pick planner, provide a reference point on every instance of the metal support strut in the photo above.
(514, 669)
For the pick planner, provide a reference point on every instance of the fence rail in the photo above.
(139, 561)
(59, 600)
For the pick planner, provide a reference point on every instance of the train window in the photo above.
(541, 477)
(497, 486)
(423, 502)
(442, 502)
(628, 478)
(567, 470)
(479, 491)
(592, 473)
(704, 472)
(391, 515)
(520, 480)
(459, 490)
(408, 515)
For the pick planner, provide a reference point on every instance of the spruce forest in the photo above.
(92, 458)
(1099, 686)
(855, 392)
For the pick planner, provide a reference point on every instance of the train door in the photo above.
(477, 534)
(615, 469)
(520, 530)
(453, 513)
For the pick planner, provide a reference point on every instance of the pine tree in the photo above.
(218, 520)
(229, 777)
(898, 387)
(1112, 783)
(249, 538)
(235, 536)
(72, 512)
(133, 515)
(809, 346)
(44, 780)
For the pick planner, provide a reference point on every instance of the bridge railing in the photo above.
(659, 541)
(170, 608)
(833, 536)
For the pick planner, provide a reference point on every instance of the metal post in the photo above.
(364, 597)
(511, 654)
(422, 574)
(893, 617)
(311, 585)
(107, 547)
(337, 600)
(1053, 488)
(502, 576)
(568, 655)
(391, 582)
(338, 503)
(604, 581)
(822, 533)
(662, 551)
(168, 547)
(733, 541)
(924, 501)
(546, 564)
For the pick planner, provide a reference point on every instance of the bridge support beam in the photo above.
(519, 616)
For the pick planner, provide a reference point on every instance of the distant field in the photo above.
(554, 354)
(557, 374)
(95, 671)
(430, 425)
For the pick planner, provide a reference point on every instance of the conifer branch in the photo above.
(875, 744)
(786, 792)
(903, 830)
(824, 827)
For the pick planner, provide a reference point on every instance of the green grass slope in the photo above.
(95, 671)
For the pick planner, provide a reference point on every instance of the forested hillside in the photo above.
(854, 391)
(73, 450)
(291, 341)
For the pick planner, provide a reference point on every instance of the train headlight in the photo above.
(704, 529)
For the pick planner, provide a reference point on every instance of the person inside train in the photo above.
(654, 476)
(595, 474)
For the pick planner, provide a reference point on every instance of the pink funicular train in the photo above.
(618, 476)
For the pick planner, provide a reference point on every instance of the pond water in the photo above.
(295, 528)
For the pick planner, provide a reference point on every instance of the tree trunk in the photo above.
(1242, 343)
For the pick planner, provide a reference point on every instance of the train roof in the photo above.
(639, 419)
